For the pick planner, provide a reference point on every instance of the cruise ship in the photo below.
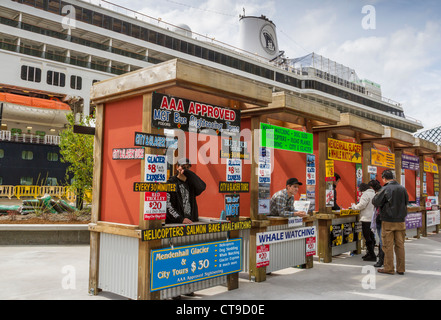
(52, 51)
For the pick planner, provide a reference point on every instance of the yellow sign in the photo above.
(382, 159)
(329, 170)
(430, 167)
(344, 151)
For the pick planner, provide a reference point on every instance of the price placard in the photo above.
(155, 168)
(263, 256)
(311, 246)
(155, 205)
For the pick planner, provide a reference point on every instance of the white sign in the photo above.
(155, 168)
(264, 206)
(263, 256)
(264, 166)
(311, 246)
(433, 218)
(301, 206)
(155, 205)
(285, 235)
(372, 169)
(234, 170)
(295, 222)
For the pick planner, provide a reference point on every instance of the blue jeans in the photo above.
(379, 233)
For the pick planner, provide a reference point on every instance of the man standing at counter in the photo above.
(282, 202)
(181, 205)
(392, 200)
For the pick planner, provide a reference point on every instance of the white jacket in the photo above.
(365, 205)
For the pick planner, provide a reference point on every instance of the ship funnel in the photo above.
(258, 35)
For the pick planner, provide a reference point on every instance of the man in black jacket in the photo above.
(392, 200)
(181, 205)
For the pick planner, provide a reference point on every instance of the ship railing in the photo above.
(6, 135)
(32, 191)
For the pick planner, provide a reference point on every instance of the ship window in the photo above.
(116, 25)
(136, 31)
(183, 46)
(97, 19)
(39, 4)
(177, 44)
(56, 78)
(86, 16)
(198, 51)
(27, 155)
(169, 42)
(26, 181)
(54, 6)
(126, 28)
(30, 74)
(152, 35)
(161, 39)
(211, 55)
(52, 156)
(76, 82)
(52, 182)
(107, 22)
(190, 49)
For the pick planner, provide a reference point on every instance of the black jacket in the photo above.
(392, 200)
(336, 207)
(175, 213)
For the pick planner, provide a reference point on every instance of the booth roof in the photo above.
(179, 73)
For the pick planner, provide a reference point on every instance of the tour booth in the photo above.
(428, 219)
(146, 121)
(342, 149)
(285, 150)
(396, 151)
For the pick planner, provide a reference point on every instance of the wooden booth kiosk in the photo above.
(427, 217)
(400, 154)
(341, 149)
(133, 253)
(286, 150)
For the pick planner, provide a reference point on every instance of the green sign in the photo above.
(286, 139)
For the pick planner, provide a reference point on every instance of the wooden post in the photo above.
(309, 222)
(324, 246)
(367, 146)
(146, 247)
(233, 279)
(96, 205)
(256, 274)
(258, 221)
(422, 231)
(323, 156)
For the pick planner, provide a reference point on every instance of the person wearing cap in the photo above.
(282, 202)
(182, 205)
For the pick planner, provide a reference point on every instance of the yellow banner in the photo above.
(430, 167)
(344, 151)
(382, 159)
(329, 170)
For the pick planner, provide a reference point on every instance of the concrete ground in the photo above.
(61, 273)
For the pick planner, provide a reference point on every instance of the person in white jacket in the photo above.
(366, 211)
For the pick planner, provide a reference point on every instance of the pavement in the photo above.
(62, 272)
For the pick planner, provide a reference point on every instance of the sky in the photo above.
(395, 43)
